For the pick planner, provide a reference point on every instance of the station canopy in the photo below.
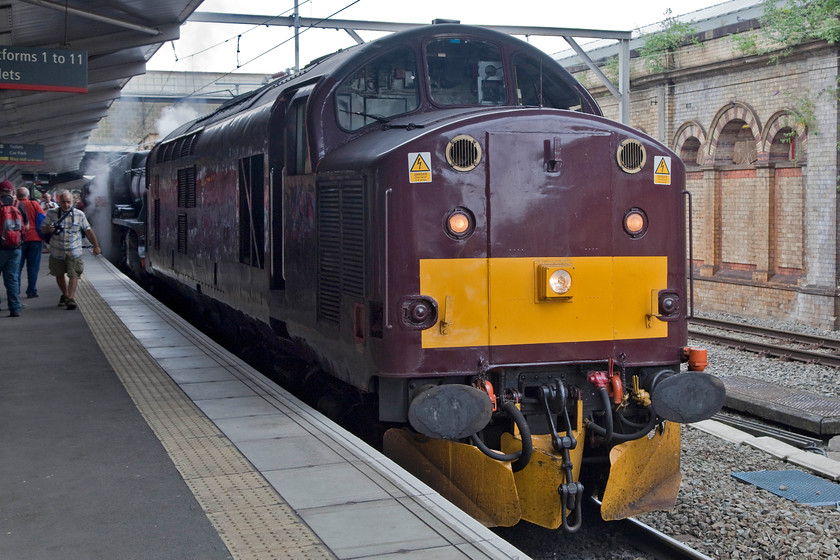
(46, 115)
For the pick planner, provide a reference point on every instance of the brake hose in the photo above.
(521, 457)
(621, 437)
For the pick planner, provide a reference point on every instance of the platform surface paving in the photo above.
(126, 433)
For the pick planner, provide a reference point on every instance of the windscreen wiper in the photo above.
(386, 123)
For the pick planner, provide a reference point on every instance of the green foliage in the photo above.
(804, 112)
(799, 21)
(658, 47)
(791, 24)
(610, 69)
(747, 43)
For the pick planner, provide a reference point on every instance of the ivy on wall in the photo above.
(783, 27)
(799, 21)
(658, 48)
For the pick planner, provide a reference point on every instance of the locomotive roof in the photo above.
(343, 61)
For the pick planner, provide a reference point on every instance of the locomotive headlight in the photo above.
(460, 223)
(635, 223)
(560, 281)
(554, 282)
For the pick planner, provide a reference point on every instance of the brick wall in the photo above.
(765, 210)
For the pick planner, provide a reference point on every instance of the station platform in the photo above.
(808, 411)
(126, 433)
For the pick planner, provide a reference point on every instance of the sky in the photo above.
(207, 47)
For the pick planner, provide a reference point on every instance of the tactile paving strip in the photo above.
(251, 518)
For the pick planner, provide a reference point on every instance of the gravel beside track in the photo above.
(715, 513)
(728, 519)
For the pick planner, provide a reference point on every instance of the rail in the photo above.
(652, 541)
(827, 356)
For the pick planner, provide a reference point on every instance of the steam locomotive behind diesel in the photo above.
(444, 219)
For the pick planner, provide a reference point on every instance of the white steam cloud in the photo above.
(174, 116)
(98, 203)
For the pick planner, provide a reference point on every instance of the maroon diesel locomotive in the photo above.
(443, 218)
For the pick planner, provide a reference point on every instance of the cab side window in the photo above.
(297, 150)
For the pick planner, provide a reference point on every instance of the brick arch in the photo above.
(777, 122)
(735, 111)
(688, 130)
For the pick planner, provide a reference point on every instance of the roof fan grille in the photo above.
(631, 156)
(463, 153)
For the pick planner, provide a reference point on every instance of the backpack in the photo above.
(39, 219)
(11, 227)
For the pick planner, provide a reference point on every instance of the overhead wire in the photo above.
(281, 43)
(256, 26)
(238, 36)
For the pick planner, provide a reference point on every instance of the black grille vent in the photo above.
(182, 234)
(186, 187)
(193, 143)
(631, 156)
(157, 223)
(179, 148)
(463, 153)
(341, 248)
(167, 151)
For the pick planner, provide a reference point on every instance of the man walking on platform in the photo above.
(65, 224)
(31, 248)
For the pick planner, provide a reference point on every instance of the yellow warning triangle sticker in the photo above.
(662, 169)
(419, 165)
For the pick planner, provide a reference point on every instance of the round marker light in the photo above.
(560, 281)
(635, 222)
(460, 223)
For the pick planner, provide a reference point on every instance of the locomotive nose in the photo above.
(687, 397)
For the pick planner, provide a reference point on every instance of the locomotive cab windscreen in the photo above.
(536, 86)
(468, 72)
(460, 72)
(465, 72)
(384, 88)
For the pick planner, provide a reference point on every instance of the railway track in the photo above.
(598, 539)
(651, 542)
(785, 345)
(658, 544)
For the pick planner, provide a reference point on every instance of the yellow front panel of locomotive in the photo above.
(462, 283)
(610, 299)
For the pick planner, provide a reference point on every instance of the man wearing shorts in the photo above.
(65, 224)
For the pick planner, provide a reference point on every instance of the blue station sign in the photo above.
(32, 154)
(37, 69)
